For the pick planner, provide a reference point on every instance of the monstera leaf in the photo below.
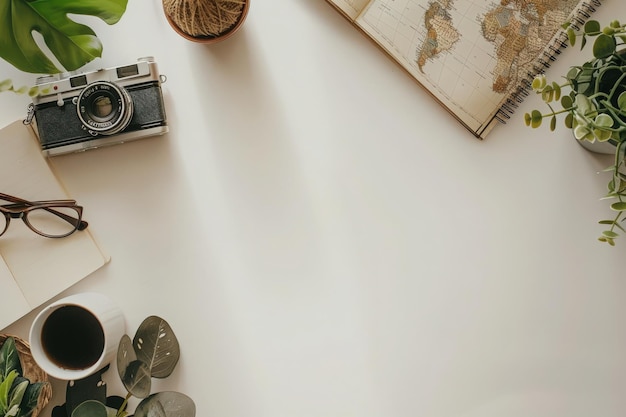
(72, 43)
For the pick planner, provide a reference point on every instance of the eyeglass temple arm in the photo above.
(79, 224)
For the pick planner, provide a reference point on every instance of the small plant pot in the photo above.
(607, 148)
(212, 39)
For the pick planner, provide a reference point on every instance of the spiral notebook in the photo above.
(476, 57)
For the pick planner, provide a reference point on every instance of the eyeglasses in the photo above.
(52, 218)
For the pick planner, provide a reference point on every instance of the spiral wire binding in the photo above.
(549, 55)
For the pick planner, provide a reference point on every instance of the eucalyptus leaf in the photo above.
(535, 118)
(610, 234)
(566, 102)
(571, 36)
(90, 408)
(137, 379)
(591, 27)
(604, 46)
(621, 101)
(157, 346)
(539, 82)
(569, 121)
(166, 404)
(72, 43)
(557, 91)
(619, 206)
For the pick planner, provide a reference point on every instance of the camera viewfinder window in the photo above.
(127, 71)
(78, 81)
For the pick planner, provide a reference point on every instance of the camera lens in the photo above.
(104, 108)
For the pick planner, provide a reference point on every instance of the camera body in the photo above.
(76, 112)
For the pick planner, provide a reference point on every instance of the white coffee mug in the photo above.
(76, 336)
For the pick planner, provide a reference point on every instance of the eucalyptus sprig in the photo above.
(592, 100)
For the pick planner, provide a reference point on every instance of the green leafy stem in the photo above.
(593, 100)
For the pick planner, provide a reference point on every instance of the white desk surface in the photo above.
(325, 240)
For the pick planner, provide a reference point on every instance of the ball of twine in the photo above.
(204, 17)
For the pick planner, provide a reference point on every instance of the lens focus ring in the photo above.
(104, 108)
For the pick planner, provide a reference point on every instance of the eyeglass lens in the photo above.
(47, 221)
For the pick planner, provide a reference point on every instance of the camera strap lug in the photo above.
(30, 114)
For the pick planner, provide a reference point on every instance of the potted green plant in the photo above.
(592, 100)
(19, 395)
(73, 44)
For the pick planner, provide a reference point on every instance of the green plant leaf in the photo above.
(166, 404)
(539, 82)
(9, 359)
(603, 120)
(90, 408)
(619, 206)
(572, 73)
(610, 234)
(137, 379)
(5, 390)
(547, 93)
(611, 186)
(621, 101)
(569, 120)
(557, 91)
(72, 43)
(604, 46)
(571, 36)
(125, 355)
(592, 27)
(17, 393)
(535, 118)
(157, 346)
(566, 102)
(31, 397)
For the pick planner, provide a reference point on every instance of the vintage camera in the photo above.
(76, 112)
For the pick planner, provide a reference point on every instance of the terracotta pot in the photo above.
(213, 39)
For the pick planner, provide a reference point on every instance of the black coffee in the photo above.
(72, 338)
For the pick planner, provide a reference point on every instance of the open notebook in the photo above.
(34, 269)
